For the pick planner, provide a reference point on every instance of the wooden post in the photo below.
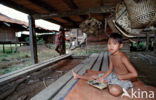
(11, 47)
(154, 31)
(3, 48)
(77, 31)
(64, 42)
(147, 41)
(32, 37)
(15, 47)
(105, 25)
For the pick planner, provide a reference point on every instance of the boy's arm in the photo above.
(132, 72)
(109, 71)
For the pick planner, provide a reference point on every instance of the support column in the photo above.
(154, 31)
(32, 37)
(64, 42)
(11, 47)
(77, 31)
(105, 25)
(3, 48)
(147, 41)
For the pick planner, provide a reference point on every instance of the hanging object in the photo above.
(123, 21)
(90, 26)
(141, 12)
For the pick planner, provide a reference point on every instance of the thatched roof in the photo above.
(68, 13)
(20, 25)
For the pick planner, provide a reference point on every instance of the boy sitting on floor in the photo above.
(120, 70)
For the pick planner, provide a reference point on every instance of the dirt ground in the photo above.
(41, 79)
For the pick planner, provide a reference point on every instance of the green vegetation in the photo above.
(89, 51)
(11, 61)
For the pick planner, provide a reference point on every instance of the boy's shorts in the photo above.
(113, 79)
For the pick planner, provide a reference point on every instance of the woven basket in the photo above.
(141, 12)
(90, 26)
(123, 21)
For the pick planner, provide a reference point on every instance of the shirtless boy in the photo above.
(120, 71)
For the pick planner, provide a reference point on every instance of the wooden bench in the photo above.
(60, 87)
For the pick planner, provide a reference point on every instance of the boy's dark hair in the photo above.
(116, 36)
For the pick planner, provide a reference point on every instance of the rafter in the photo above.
(50, 9)
(104, 9)
(72, 5)
(14, 5)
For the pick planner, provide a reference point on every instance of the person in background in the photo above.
(60, 42)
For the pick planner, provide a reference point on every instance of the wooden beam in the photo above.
(14, 5)
(15, 75)
(71, 21)
(147, 41)
(48, 7)
(72, 5)
(32, 37)
(105, 9)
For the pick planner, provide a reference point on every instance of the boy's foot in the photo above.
(75, 75)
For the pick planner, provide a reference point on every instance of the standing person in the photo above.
(60, 42)
(120, 71)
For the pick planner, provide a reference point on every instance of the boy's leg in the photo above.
(77, 76)
(115, 90)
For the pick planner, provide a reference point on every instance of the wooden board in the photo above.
(92, 60)
(98, 62)
(28, 70)
(105, 63)
(64, 82)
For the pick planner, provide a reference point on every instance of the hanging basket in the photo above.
(141, 12)
(90, 26)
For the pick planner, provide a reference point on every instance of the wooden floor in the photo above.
(61, 86)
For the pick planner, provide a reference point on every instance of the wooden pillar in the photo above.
(11, 47)
(64, 42)
(105, 25)
(3, 48)
(15, 47)
(32, 37)
(77, 31)
(154, 31)
(147, 41)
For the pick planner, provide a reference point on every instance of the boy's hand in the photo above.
(119, 77)
(101, 80)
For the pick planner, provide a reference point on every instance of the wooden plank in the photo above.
(54, 88)
(50, 8)
(86, 11)
(86, 66)
(16, 6)
(72, 5)
(98, 62)
(105, 63)
(32, 37)
(32, 66)
(13, 76)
